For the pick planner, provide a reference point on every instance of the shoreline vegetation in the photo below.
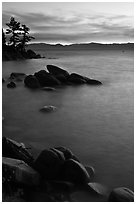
(14, 42)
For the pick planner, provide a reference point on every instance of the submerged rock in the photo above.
(31, 82)
(57, 70)
(48, 109)
(121, 194)
(11, 85)
(48, 164)
(48, 88)
(75, 172)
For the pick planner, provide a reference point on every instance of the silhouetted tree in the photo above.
(26, 37)
(3, 38)
(14, 28)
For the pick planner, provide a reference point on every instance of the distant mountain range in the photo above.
(82, 46)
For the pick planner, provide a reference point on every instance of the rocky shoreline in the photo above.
(54, 176)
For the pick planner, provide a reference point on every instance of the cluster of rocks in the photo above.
(53, 176)
(56, 76)
(49, 79)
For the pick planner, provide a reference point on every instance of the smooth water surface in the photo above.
(95, 122)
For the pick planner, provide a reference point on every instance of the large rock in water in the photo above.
(11, 85)
(75, 172)
(121, 194)
(48, 164)
(18, 76)
(78, 78)
(31, 82)
(46, 79)
(57, 70)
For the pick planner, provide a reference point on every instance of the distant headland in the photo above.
(82, 46)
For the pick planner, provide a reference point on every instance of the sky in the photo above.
(74, 22)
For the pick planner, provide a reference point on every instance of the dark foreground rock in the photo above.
(121, 195)
(52, 177)
(13, 149)
(68, 154)
(11, 85)
(48, 164)
(57, 71)
(17, 171)
(75, 172)
(31, 82)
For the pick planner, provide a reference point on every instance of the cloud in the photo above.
(75, 27)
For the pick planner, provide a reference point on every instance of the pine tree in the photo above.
(3, 38)
(26, 37)
(13, 30)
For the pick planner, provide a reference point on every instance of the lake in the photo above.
(95, 122)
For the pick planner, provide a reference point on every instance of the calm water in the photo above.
(95, 122)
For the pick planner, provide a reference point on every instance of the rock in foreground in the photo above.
(121, 195)
(75, 172)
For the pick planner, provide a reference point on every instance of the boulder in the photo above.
(17, 171)
(17, 76)
(97, 188)
(75, 172)
(48, 109)
(31, 82)
(68, 154)
(121, 194)
(48, 164)
(92, 81)
(59, 153)
(57, 70)
(63, 185)
(61, 78)
(11, 85)
(90, 171)
(13, 149)
(76, 79)
(46, 79)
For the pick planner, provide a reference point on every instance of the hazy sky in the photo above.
(74, 22)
